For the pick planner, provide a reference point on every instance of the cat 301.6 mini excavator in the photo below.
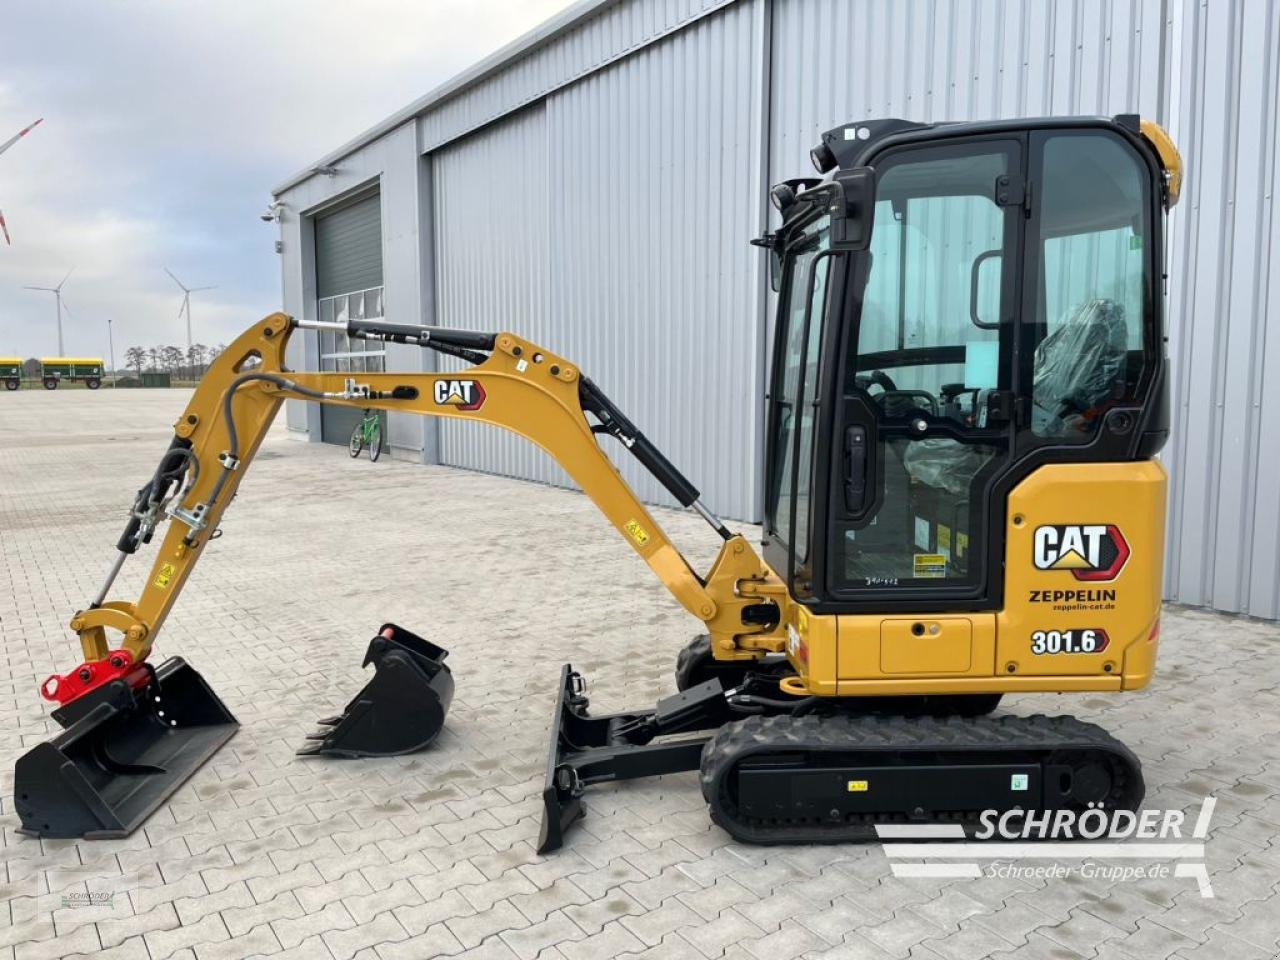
(968, 389)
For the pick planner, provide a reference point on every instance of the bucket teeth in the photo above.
(402, 707)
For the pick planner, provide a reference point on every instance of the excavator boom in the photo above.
(514, 384)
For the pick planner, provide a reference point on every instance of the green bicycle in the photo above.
(368, 433)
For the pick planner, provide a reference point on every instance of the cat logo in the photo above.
(1091, 552)
(463, 394)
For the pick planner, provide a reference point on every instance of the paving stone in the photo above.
(531, 941)
(82, 940)
(715, 936)
(612, 939)
(331, 917)
(345, 944)
(160, 917)
(470, 930)
(253, 943)
(435, 941)
(163, 943)
(242, 920)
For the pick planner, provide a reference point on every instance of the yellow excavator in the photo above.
(961, 500)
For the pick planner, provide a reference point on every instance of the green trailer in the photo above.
(11, 372)
(54, 370)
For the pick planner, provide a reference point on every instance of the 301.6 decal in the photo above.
(1069, 641)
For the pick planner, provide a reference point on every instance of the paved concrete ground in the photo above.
(432, 855)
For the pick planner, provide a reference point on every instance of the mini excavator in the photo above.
(961, 500)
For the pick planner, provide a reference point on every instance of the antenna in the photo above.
(3, 147)
(57, 296)
(186, 300)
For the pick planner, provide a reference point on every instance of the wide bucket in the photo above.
(126, 748)
(402, 707)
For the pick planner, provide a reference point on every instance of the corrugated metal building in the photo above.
(594, 185)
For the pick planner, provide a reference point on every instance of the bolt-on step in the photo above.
(400, 710)
(127, 746)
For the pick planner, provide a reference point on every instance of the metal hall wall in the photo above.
(595, 183)
(1224, 461)
(612, 226)
(656, 192)
(492, 264)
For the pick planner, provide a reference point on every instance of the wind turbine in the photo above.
(3, 147)
(57, 296)
(186, 300)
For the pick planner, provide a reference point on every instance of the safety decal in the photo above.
(929, 566)
(637, 533)
(859, 786)
(164, 575)
(1090, 552)
(1048, 642)
(463, 394)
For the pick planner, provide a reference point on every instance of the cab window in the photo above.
(1093, 231)
(795, 385)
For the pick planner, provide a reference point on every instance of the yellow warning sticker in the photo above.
(165, 575)
(858, 786)
(944, 540)
(929, 566)
(637, 533)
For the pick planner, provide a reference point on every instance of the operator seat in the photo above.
(1077, 367)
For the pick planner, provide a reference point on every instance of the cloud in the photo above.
(166, 125)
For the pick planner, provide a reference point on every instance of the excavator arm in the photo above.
(513, 383)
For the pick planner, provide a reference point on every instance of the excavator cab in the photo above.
(959, 306)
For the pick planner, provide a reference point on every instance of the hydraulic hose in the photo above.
(233, 438)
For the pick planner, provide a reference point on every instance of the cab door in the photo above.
(924, 398)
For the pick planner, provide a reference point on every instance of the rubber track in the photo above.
(1038, 735)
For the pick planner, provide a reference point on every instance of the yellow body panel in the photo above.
(1063, 591)
(1128, 496)
(94, 360)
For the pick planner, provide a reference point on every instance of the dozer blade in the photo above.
(400, 710)
(126, 748)
(616, 746)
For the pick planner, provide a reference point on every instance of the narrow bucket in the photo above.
(126, 748)
(400, 710)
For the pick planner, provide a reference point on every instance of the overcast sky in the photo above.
(166, 125)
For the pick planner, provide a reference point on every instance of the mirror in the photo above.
(853, 208)
(984, 290)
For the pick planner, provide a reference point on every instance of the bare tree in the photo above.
(153, 357)
(172, 357)
(196, 360)
(134, 358)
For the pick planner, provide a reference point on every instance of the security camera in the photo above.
(273, 212)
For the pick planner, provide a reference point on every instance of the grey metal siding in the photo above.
(595, 183)
(1224, 511)
(349, 248)
(612, 226)
(655, 196)
(840, 60)
(615, 32)
(492, 265)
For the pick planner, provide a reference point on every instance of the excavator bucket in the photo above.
(400, 710)
(126, 747)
